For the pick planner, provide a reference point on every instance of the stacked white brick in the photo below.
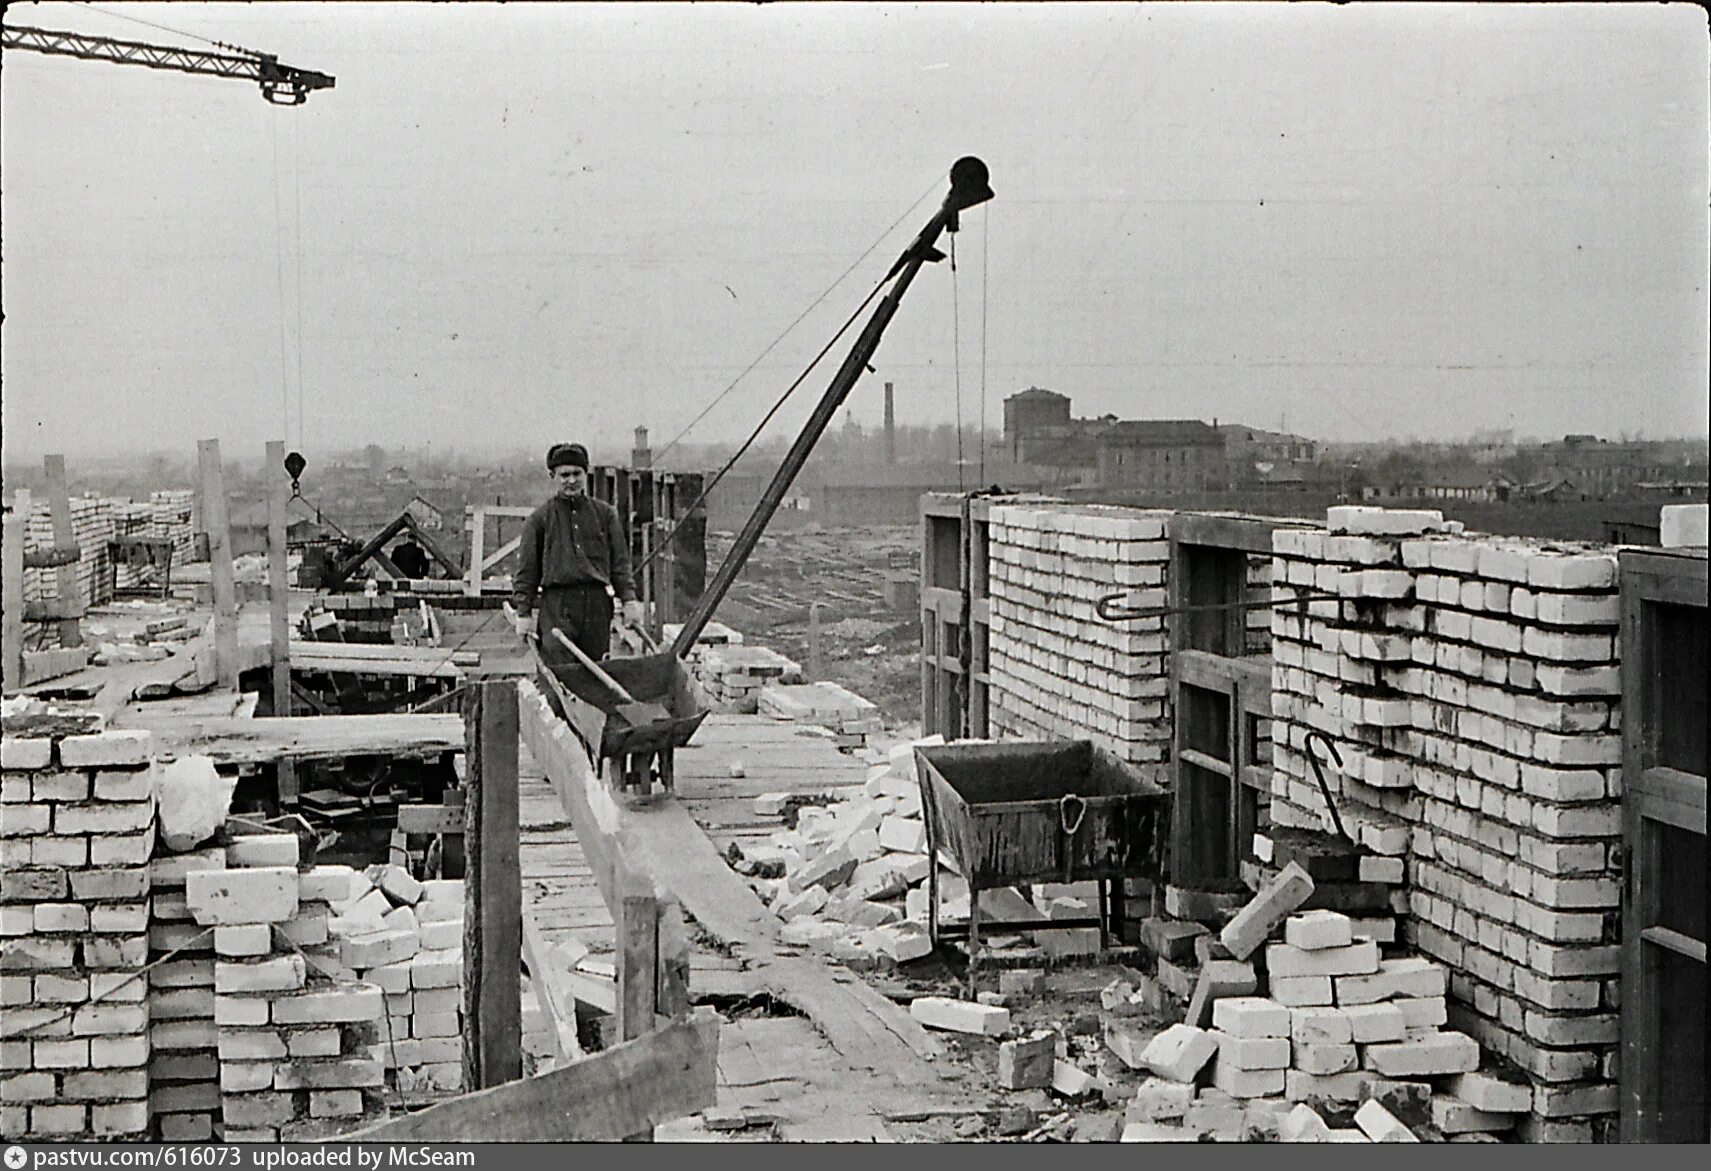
(1057, 669)
(76, 826)
(733, 675)
(184, 1072)
(850, 718)
(855, 872)
(293, 1024)
(406, 938)
(1472, 684)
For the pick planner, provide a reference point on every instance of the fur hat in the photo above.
(567, 454)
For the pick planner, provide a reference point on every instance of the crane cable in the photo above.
(177, 32)
(720, 397)
(279, 282)
(984, 224)
(956, 362)
(665, 542)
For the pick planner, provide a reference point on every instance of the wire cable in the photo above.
(799, 318)
(177, 32)
(279, 280)
(665, 542)
(956, 361)
(297, 246)
(984, 223)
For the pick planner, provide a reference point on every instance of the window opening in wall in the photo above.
(944, 553)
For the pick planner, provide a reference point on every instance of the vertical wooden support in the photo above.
(493, 889)
(12, 603)
(220, 563)
(816, 649)
(279, 604)
(475, 520)
(65, 577)
(666, 595)
(637, 915)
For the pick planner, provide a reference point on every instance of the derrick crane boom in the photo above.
(283, 85)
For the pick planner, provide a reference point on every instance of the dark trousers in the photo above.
(584, 613)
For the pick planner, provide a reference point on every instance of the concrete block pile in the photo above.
(851, 877)
(169, 520)
(713, 634)
(847, 716)
(1058, 669)
(733, 675)
(405, 937)
(94, 522)
(1472, 686)
(1297, 1025)
(76, 830)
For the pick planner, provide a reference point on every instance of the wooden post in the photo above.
(493, 888)
(637, 916)
(816, 655)
(59, 508)
(220, 563)
(666, 592)
(648, 587)
(279, 604)
(12, 603)
(475, 520)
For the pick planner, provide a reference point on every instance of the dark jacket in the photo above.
(567, 543)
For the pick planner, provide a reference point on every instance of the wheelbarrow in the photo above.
(632, 755)
(1037, 811)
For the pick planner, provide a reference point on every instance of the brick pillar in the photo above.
(77, 824)
(1472, 685)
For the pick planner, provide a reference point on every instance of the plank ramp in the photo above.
(854, 1056)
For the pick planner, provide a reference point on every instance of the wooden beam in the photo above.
(636, 919)
(12, 603)
(360, 666)
(372, 547)
(588, 803)
(560, 1013)
(476, 523)
(65, 576)
(499, 554)
(220, 563)
(233, 741)
(57, 610)
(279, 603)
(423, 656)
(52, 557)
(493, 889)
(431, 819)
(40, 666)
(667, 1074)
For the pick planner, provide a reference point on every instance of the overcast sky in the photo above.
(530, 222)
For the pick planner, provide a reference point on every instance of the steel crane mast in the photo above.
(283, 85)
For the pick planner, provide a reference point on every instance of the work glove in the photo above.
(633, 614)
(525, 625)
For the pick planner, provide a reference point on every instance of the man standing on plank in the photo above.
(574, 553)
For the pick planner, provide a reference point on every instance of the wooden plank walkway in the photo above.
(829, 1075)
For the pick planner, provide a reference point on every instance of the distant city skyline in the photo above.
(1351, 222)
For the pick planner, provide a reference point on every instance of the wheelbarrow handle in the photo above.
(594, 668)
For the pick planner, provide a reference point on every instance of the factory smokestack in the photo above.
(890, 427)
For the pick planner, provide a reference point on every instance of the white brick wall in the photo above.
(1472, 686)
(1058, 669)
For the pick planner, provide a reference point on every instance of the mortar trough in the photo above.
(1038, 811)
